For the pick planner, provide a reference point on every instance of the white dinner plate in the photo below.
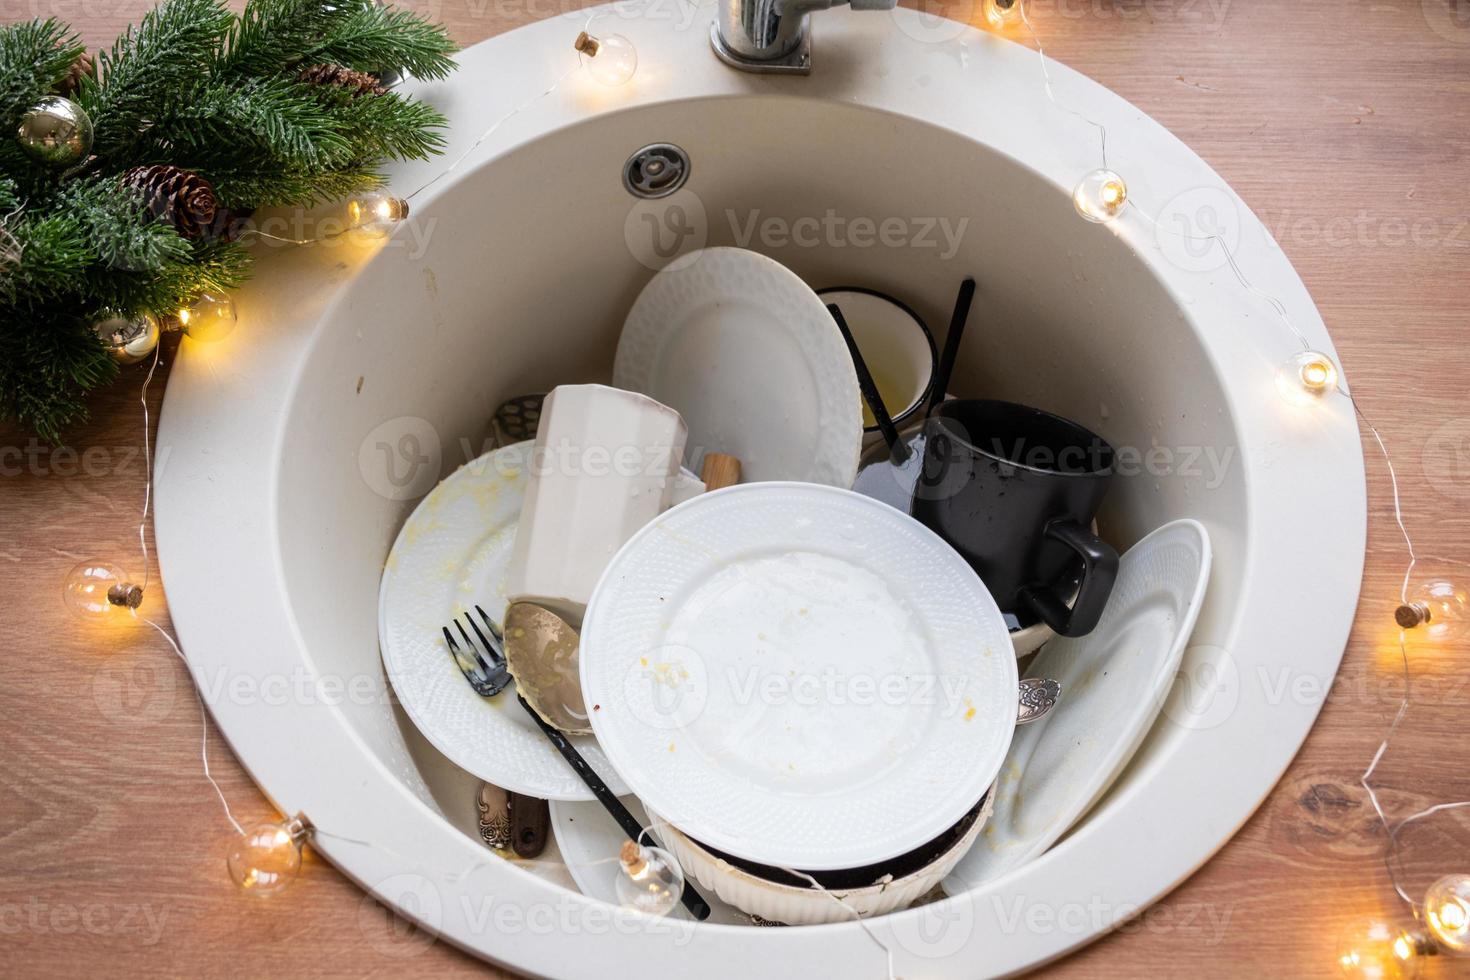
(748, 354)
(799, 675)
(589, 840)
(1114, 682)
(450, 555)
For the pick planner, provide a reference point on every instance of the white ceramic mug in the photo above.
(605, 463)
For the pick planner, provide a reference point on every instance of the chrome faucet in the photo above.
(772, 35)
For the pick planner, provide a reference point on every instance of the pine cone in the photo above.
(181, 197)
(83, 67)
(337, 76)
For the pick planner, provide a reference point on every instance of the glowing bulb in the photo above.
(611, 60)
(1100, 196)
(1000, 14)
(375, 214)
(266, 859)
(1379, 951)
(1307, 377)
(98, 590)
(1441, 608)
(208, 318)
(1447, 913)
(650, 880)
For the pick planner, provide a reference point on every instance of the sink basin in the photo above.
(360, 375)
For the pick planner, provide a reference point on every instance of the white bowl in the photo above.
(805, 906)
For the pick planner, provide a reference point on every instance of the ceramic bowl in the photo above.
(779, 896)
(896, 345)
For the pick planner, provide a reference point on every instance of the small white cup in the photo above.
(896, 346)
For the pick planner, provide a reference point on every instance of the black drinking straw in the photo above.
(957, 322)
(897, 449)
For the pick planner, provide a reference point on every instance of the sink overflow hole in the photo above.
(657, 170)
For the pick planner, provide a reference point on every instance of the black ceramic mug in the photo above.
(1014, 490)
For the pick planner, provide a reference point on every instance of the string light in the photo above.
(1307, 376)
(374, 215)
(1447, 913)
(97, 591)
(265, 859)
(611, 59)
(208, 319)
(1100, 196)
(1379, 951)
(649, 879)
(1438, 607)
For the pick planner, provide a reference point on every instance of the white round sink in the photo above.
(297, 446)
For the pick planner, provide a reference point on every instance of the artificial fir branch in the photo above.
(196, 87)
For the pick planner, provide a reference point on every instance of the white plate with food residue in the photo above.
(798, 675)
(1114, 682)
(451, 555)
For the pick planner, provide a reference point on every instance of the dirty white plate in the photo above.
(799, 675)
(450, 555)
(589, 840)
(748, 354)
(1114, 682)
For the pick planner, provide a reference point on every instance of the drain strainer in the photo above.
(657, 170)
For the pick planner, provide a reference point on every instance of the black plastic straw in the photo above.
(957, 322)
(897, 449)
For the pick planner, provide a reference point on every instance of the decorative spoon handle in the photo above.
(692, 900)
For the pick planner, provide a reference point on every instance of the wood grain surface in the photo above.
(1345, 125)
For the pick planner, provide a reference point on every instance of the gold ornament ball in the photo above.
(98, 591)
(265, 860)
(56, 131)
(129, 341)
(1447, 913)
(208, 318)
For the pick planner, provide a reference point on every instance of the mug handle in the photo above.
(1099, 571)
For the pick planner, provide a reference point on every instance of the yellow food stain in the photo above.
(643, 661)
(671, 746)
(518, 632)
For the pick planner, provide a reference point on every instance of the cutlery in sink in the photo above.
(484, 666)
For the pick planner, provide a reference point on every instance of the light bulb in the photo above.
(1379, 951)
(1100, 196)
(208, 318)
(1000, 14)
(1447, 913)
(265, 860)
(1307, 376)
(611, 60)
(97, 590)
(375, 214)
(128, 341)
(649, 879)
(1440, 608)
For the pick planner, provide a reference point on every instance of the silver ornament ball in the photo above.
(56, 131)
(129, 341)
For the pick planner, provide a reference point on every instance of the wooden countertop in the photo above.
(1345, 126)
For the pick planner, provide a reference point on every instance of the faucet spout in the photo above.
(772, 35)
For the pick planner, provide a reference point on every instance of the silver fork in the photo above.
(488, 675)
(487, 678)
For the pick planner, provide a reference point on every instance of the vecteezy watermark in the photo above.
(1446, 458)
(400, 458)
(83, 918)
(1450, 19)
(662, 232)
(35, 458)
(1365, 229)
(420, 909)
(1197, 228)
